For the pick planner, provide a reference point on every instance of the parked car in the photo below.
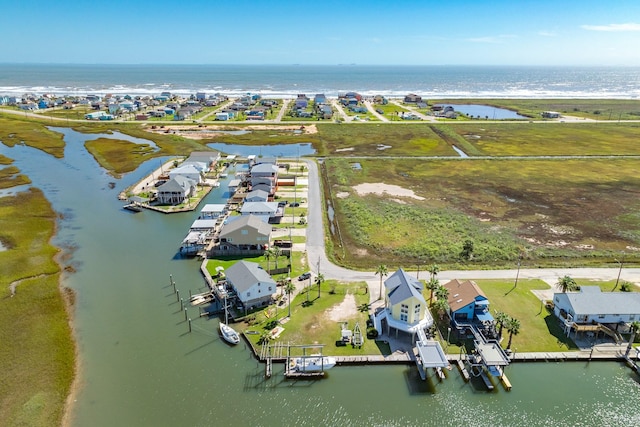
(304, 276)
(294, 205)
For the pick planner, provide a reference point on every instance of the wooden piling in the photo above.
(185, 313)
(181, 304)
(189, 325)
(178, 295)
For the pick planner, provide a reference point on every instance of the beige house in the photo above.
(247, 232)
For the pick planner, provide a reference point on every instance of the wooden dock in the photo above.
(463, 370)
(505, 382)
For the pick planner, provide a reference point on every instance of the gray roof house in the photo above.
(264, 210)
(176, 190)
(591, 305)
(405, 307)
(257, 196)
(252, 284)
(247, 232)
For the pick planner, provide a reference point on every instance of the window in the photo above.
(248, 294)
(403, 317)
(416, 310)
(244, 232)
(270, 290)
(404, 308)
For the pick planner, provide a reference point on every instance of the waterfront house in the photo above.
(550, 115)
(467, 303)
(176, 190)
(212, 210)
(405, 308)
(244, 233)
(591, 306)
(257, 196)
(210, 158)
(267, 211)
(264, 176)
(253, 285)
(188, 171)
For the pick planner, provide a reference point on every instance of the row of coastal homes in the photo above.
(183, 180)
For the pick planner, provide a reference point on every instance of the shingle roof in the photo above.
(250, 221)
(462, 294)
(401, 277)
(244, 274)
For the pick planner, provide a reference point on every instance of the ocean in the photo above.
(283, 81)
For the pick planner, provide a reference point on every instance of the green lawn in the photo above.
(311, 324)
(540, 329)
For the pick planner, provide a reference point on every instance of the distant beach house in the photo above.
(176, 190)
(550, 115)
(212, 210)
(405, 308)
(264, 176)
(412, 98)
(253, 285)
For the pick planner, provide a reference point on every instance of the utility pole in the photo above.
(518, 272)
(619, 273)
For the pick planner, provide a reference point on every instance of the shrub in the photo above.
(372, 333)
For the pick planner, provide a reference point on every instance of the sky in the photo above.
(327, 32)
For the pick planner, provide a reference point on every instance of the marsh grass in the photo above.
(118, 156)
(37, 356)
(557, 212)
(16, 130)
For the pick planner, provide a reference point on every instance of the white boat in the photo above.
(229, 334)
(314, 363)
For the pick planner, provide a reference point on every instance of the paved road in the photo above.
(316, 253)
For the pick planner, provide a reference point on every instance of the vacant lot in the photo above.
(551, 212)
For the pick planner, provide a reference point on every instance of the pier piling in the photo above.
(178, 295)
(189, 325)
(185, 314)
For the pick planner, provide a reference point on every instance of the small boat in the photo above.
(229, 334)
(312, 363)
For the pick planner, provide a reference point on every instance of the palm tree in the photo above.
(441, 306)
(319, 281)
(433, 284)
(434, 269)
(635, 327)
(442, 293)
(513, 326)
(501, 320)
(567, 284)
(267, 255)
(276, 252)
(288, 289)
(382, 271)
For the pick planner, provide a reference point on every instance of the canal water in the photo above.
(141, 367)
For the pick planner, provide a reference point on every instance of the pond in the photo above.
(288, 150)
(485, 111)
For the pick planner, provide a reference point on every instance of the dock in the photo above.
(463, 370)
(505, 382)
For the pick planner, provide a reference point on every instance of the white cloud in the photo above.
(547, 33)
(491, 39)
(630, 26)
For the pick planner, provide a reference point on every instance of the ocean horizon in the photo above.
(285, 81)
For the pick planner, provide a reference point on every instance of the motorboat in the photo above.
(229, 334)
(315, 363)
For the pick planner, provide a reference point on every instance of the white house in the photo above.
(264, 210)
(188, 171)
(253, 285)
(257, 196)
(405, 307)
(591, 305)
